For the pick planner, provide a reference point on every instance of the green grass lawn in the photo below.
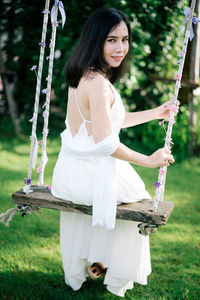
(30, 261)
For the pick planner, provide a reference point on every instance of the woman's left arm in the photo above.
(160, 112)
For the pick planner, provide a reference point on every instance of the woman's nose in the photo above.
(119, 46)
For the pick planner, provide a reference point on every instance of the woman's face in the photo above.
(116, 45)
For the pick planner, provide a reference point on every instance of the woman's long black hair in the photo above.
(89, 50)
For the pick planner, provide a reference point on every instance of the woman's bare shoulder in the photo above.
(94, 80)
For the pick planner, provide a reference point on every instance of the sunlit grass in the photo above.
(30, 261)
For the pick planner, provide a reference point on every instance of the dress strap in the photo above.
(71, 93)
(76, 96)
(111, 87)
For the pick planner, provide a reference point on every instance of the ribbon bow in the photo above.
(58, 4)
(194, 20)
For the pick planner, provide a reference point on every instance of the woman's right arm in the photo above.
(159, 158)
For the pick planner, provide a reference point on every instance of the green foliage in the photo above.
(155, 25)
(30, 259)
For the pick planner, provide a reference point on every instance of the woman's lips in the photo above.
(117, 58)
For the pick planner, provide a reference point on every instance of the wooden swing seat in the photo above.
(141, 211)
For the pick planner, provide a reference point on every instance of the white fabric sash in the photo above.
(105, 196)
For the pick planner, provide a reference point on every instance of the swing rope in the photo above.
(34, 141)
(160, 184)
(47, 91)
(44, 158)
(7, 217)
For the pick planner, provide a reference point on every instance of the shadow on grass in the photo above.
(9, 173)
(39, 285)
(9, 144)
(29, 232)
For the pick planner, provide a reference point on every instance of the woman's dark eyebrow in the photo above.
(113, 36)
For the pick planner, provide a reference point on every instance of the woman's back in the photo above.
(78, 108)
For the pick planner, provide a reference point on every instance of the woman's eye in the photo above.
(125, 39)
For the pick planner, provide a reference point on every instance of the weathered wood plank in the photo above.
(141, 211)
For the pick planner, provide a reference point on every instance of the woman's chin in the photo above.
(115, 65)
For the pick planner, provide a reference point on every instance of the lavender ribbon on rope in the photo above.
(194, 21)
(59, 4)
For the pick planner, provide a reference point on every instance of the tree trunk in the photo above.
(194, 75)
(11, 102)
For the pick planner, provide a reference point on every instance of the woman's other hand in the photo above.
(163, 111)
(160, 158)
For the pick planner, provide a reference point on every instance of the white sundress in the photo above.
(122, 250)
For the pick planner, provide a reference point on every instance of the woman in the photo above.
(93, 166)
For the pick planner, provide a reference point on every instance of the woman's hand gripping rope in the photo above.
(163, 111)
(160, 158)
